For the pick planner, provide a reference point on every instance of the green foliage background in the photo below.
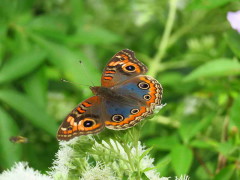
(188, 46)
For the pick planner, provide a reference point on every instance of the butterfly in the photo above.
(126, 96)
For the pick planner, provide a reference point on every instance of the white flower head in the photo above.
(181, 4)
(117, 148)
(182, 177)
(114, 159)
(21, 171)
(146, 162)
(60, 166)
(234, 20)
(191, 105)
(98, 172)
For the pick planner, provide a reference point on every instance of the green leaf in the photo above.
(234, 113)
(201, 144)
(225, 173)
(170, 78)
(50, 26)
(3, 32)
(225, 148)
(207, 4)
(145, 153)
(29, 109)
(8, 9)
(21, 65)
(189, 129)
(94, 35)
(143, 176)
(9, 152)
(68, 61)
(36, 87)
(164, 165)
(163, 143)
(215, 68)
(182, 158)
(233, 39)
(163, 161)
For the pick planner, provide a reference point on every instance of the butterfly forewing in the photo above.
(84, 119)
(122, 66)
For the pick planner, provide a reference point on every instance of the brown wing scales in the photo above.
(122, 66)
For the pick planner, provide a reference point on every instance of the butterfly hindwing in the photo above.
(144, 94)
(121, 67)
(84, 119)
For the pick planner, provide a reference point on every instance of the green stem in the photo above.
(135, 138)
(164, 42)
(128, 152)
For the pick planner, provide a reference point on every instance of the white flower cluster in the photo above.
(60, 166)
(113, 160)
(99, 171)
(139, 153)
(22, 171)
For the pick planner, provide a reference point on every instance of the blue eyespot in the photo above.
(143, 85)
(134, 111)
(147, 97)
(117, 118)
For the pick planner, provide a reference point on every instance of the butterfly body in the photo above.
(105, 92)
(110, 94)
(125, 98)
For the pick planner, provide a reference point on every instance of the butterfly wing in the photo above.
(122, 66)
(84, 119)
(141, 95)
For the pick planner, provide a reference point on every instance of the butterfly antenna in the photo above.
(63, 80)
(86, 72)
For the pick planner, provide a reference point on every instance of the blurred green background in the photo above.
(189, 46)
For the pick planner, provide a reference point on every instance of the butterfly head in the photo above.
(102, 91)
(95, 89)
